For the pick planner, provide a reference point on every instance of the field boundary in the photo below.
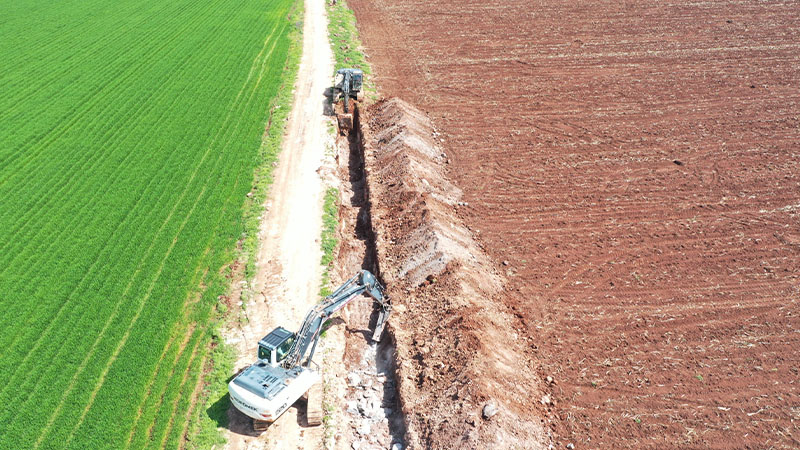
(205, 424)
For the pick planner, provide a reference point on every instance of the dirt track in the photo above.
(636, 166)
(288, 274)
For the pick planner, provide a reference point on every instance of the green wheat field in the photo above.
(129, 134)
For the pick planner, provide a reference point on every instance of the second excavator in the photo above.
(347, 84)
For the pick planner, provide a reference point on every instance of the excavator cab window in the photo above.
(284, 348)
(264, 354)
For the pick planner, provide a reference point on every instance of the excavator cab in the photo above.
(348, 81)
(273, 348)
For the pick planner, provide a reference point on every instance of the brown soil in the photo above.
(456, 347)
(637, 166)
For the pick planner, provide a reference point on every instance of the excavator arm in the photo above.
(308, 334)
(348, 81)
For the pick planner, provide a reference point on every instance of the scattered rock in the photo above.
(363, 429)
(397, 446)
(353, 379)
(570, 446)
(550, 380)
(505, 263)
(375, 404)
(366, 383)
(352, 407)
(375, 414)
(489, 410)
(546, 400)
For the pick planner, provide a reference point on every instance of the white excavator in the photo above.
(285, 372)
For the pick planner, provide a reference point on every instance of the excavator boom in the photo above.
(308, 334)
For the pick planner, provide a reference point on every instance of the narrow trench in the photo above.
(375, 359)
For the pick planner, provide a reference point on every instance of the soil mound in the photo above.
(426, 234)
(458, 351)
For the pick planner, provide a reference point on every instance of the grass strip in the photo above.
(346, 44)
(207, 422)
(329, 242)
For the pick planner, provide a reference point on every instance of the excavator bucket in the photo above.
(383, 316)
(345, 123)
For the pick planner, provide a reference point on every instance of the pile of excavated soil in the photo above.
(465, 377)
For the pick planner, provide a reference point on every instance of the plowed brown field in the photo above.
(636, 165)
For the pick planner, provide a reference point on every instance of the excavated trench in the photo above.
(452, 370)
(372, 406)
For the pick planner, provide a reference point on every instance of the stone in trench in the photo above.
(374, 414)
(366, 383)
(363, 429)
(374, 403)
(353, 379)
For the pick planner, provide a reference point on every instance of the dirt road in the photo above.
(632, 167)
(288, 277)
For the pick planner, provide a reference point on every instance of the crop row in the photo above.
(127, 149)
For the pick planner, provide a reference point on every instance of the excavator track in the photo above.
(314, 405)
(260, 425)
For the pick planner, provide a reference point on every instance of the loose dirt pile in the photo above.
(465, 377)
